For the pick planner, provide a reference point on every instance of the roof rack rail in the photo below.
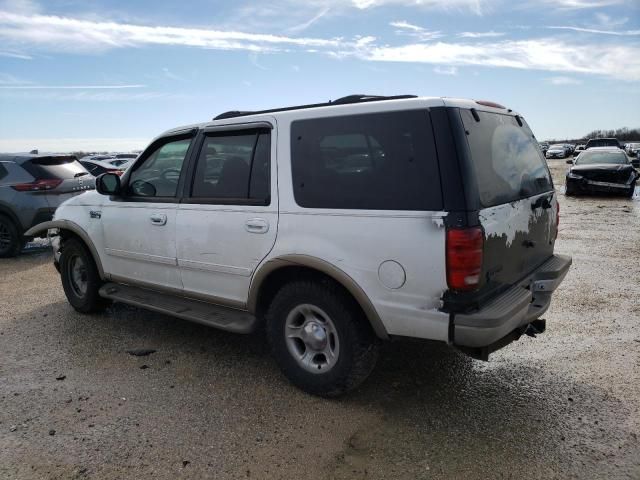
(340, 101)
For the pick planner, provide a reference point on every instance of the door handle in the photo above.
(158, 219)
(256, 225)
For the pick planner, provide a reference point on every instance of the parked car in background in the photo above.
(557, 150)
(603, 142)
(31, 188)
(570, 148)
(544, 146)
(580, 148)
(123, 160)
(255, 221)
(98, 167)
(601, 169)
(632, 149)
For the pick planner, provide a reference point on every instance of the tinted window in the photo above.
(603, 142)
(3, 173)
(381, 161)
(507, 163)
(590, 157)
(233, 166)
(53, 167)
(159, 173)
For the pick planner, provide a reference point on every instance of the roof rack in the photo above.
(340, 101)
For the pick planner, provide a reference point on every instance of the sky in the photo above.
(113, 74)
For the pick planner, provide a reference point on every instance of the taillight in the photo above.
(464, 257)
(38, 185)
(557, 218)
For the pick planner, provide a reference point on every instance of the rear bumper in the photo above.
(513, 310)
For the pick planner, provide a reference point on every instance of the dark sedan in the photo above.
(601, 170)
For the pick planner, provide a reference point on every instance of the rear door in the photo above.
(228, 220)
(516, 198)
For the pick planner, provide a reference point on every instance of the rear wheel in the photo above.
(10, 240)
(320, 338)
(80, 278)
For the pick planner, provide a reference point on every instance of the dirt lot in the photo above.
(74, 404)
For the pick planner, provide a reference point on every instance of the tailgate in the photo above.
(516, 201)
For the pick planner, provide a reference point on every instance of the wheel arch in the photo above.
(7, 212)
(277, 271)
(68, 228)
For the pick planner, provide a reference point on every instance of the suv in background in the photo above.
(31, 188)
(334, 226)
(603, 142)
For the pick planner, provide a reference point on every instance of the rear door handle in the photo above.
(158, 219)
(256, 225)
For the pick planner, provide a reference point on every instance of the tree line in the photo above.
(623, 134)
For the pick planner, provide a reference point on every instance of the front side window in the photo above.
(159, 173)
(234, 166)
(379, 161)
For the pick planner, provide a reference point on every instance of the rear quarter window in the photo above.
(379, 161)
(508, 164)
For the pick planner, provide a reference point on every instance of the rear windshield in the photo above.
(60, 168)
(603, 142)
(508, 164)
(377, 161)
(591, 158)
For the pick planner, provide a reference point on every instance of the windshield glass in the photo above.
(590, 158)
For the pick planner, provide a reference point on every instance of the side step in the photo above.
(217, 316)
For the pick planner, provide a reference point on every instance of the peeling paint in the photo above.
(510, 219)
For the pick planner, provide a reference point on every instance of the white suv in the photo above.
(334, 226)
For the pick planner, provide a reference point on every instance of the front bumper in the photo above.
(585, 185)
(513, 310)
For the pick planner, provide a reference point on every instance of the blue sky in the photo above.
(107, 74)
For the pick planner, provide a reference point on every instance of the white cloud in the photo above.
(72, 144)
(563, 81)
(304, 25)
(547, 54)
(621, 61)
(446, 70)
(406, 28)
(579, 4)
(15, 86)
(489, 34)
(21, 56)
(620, 33)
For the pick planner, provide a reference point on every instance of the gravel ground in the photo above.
(74, 404)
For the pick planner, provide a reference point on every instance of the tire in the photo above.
(631, 191)
(11, 242)
(80, 278)
(330, 321)
(569, 191)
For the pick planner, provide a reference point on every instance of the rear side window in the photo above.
(57, 168)
(508, 164)
(380, 161)
(3, 173)
(234, 166)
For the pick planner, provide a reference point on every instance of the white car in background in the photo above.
(557, 151)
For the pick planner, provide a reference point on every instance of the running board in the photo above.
(217, 316)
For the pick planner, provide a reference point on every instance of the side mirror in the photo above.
(570, 162)
(108, 184)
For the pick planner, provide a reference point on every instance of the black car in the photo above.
(601, 170)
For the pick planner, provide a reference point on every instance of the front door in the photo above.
(140, 227)
(228, 220)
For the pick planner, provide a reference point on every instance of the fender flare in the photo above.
(75, 229)
(314, 263)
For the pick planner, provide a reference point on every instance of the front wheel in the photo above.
(80, 278)
(320, 338)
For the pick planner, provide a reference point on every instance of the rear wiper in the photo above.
(79, 174)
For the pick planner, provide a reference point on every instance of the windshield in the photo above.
(559, 147)
(590, 158)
